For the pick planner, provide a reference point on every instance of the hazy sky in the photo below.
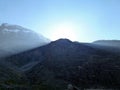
(89, 20)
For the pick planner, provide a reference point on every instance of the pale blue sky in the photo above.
(94, 19)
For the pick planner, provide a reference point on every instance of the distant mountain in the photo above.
(15, 39)
(112, 43)
(108, 45)
(63, 62)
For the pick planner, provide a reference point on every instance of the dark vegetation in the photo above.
(60, 63)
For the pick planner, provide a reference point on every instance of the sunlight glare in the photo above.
(64, 30)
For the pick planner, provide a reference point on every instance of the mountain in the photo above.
(112, 43)
(62, 63)
(15, 39)
(108, 45)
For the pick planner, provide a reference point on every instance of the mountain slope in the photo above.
(63, 62)
(15, 39)
(67, 62)
(62, 48)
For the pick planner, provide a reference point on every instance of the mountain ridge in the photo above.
(64, 62)
(112, 43)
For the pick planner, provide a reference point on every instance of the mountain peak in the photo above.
(9, 27)
(63, 40)
(15, 39)
(4, 24)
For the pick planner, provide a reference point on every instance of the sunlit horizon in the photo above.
(91, 19)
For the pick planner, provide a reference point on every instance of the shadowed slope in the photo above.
(62, 62)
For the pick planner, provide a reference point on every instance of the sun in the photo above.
(64, 30)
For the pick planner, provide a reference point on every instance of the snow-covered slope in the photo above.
(15, 39)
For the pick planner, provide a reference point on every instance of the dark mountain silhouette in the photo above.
(63, 62)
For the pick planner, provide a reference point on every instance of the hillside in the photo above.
(64, 62)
